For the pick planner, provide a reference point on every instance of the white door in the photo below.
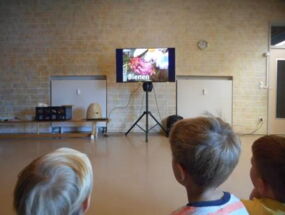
(276, 120)
(198, 96)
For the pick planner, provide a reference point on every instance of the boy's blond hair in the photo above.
(56, 183)
(269, 157)
(207, 148)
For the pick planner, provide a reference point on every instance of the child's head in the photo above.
(268, 167)
(206, 149)
(57, 183)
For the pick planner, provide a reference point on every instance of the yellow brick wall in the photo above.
(39, 39)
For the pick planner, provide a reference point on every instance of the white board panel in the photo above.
(195, 97)
(80, 94)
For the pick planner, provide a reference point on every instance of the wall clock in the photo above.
(202, 44)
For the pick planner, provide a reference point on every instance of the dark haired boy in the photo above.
(268, 176)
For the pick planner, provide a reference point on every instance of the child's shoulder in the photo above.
(263, 206)
(234, 206)
(228, 204)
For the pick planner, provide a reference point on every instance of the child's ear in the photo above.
(267, 190)
(179, 172)
(86, 204)
(264, 189)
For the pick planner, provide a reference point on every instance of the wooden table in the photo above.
(93, 121)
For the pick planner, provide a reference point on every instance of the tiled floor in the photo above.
(131, 177)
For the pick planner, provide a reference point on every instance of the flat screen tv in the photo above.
(145, 65)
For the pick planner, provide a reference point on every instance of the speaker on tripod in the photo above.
(147, 87)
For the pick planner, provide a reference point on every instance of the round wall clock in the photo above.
(202, 44)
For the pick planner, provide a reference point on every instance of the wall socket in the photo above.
(261, 84)
(260, 119)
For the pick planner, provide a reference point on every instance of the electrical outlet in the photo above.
(261, 84)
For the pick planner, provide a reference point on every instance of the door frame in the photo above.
(275, 125)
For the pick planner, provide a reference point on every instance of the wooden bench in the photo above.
(94, 122)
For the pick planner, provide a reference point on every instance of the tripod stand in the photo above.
(147, 87)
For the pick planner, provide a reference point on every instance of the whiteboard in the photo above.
(79, 92)
(197, 96)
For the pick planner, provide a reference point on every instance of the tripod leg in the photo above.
(135, 123)
(146, 127)
(158, 123)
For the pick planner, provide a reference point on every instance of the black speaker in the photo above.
(53, 113)
(171, 120)
(147, 86)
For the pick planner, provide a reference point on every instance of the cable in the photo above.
(156, 103)
(125, 106)
(258, 126)
(142, 104)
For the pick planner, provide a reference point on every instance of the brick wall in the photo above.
(39, 39)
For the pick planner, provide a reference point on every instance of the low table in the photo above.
(94, 122)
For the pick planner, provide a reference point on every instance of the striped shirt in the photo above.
(228, 204)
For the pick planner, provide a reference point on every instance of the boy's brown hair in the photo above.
(269, 157)
(207, 148)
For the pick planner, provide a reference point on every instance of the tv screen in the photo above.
(145, 65)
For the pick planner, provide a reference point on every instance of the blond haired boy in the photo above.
(205, 151)
(57, 183)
